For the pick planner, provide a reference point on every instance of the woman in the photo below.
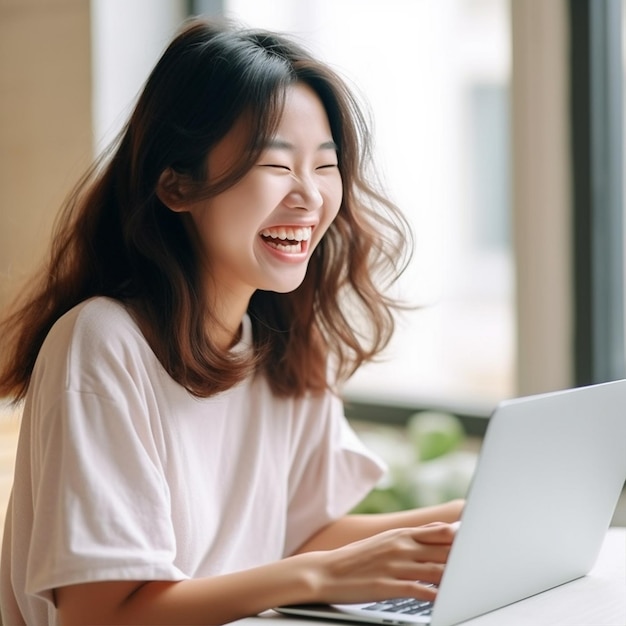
(183, 457)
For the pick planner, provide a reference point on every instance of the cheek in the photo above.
(334, 196)
(332, 202)
(255, 197)
(234, 210)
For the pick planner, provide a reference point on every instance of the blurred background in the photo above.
(498, 127)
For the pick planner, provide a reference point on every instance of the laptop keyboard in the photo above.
(406, 606)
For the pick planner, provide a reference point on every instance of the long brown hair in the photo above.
(116, 238)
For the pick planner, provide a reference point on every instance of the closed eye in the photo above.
(276, 166)
(328, 166)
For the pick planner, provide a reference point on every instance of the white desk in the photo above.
(598, 599)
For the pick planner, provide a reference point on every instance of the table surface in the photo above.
(598, 599)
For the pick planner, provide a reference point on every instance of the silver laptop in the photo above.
(550, 472)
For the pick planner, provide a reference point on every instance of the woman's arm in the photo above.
(355, 527)
(386, 565)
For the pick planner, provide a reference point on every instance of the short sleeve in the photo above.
(331, 472)
(101, 506)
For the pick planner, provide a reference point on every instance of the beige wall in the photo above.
(45, 123)
(541, 196)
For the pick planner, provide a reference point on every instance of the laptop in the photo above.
(548, 478)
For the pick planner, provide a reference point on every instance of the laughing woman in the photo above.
(183, 456)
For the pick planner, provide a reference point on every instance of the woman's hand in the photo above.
(352, 528)
(386, 565)
(394, 563)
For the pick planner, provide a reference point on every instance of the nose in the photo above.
(304, 194)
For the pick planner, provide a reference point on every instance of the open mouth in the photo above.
(287, 238)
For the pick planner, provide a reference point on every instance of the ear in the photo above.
(170, 190)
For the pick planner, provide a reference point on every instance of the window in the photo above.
(451, 103)
(127, 39)
(436, 78)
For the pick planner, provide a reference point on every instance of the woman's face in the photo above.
(260, 233)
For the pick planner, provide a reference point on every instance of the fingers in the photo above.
(430, 573)
(425, 544)
(403, 554)
(405, 589)
(435, 533)
(424, 547)
(395, 563)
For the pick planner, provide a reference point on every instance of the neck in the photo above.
(224, 325)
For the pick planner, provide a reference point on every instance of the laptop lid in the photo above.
(550, 472)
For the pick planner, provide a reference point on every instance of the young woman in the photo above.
(183, 456)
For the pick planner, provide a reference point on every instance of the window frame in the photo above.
(596, 70)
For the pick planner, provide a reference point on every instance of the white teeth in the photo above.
(283, 247)
(287, 232)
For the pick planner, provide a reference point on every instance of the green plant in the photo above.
(424, 460)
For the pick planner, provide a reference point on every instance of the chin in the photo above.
(285, 286)
(285, 289)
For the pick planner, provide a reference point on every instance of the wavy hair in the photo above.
(116, 238)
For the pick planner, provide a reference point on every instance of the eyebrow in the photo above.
(281, 144)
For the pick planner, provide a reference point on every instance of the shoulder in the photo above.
(94, 314)
(314, 415)
(96, 340)
(93, 323)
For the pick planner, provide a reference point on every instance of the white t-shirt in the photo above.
(121, 474)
